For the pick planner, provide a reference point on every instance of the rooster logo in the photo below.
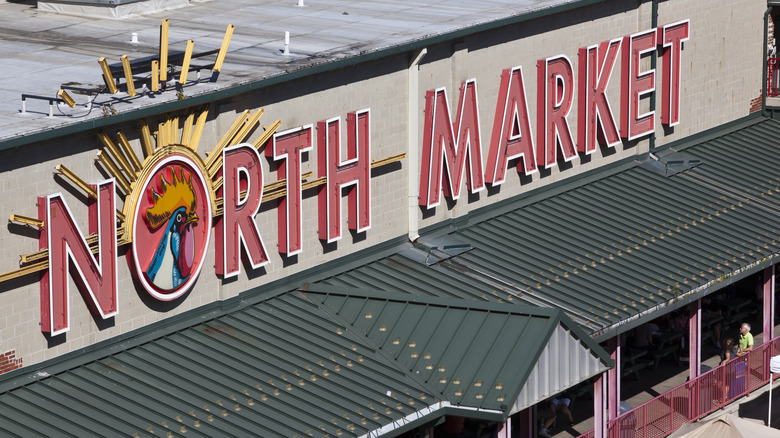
(174, 209)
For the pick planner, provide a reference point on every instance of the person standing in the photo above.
(729, 351)
(745, 339)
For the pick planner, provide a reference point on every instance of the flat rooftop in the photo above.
(42, 51)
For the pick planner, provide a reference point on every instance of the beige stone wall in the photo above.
(721, 74)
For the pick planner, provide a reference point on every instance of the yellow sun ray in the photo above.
(185, 65)
(186, 132)
(217, 151)
(146, 139)
(198, 130)
(111, 168)
(117, 156)
(128, 151)
(247, 126)
(128, 75)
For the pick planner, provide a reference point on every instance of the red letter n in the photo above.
(97, 282)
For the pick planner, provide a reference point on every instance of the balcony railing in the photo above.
(695, 399)
(773, 77)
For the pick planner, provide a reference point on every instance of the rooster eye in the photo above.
(178, 217)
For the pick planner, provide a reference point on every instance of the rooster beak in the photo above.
(192, 217)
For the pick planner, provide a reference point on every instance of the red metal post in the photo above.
(769, 303)
(505, 429)
(613, 379)
(525, 422)
(694, 340)
(773, 87)
(599, 407)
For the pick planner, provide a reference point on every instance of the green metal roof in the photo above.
(615, 246)
(379, 346)
(313, 363)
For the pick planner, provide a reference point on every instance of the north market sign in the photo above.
(176, 200)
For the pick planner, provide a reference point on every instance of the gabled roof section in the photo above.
(612, 247)
(470, 353)
(281, 368)
(304, 363)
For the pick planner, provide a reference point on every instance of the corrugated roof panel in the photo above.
(469, 353)
(280, 368)
(362, 349)
(616, 246)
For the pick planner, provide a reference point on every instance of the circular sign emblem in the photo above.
(171, 227)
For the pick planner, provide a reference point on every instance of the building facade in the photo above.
(422, 123)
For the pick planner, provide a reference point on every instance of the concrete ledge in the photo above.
(773, 101)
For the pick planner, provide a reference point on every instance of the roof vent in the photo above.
(430, 251)
(670, 164)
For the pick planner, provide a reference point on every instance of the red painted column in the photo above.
(694, 340)
(613, 379)
(600, 407)
(769, 303)
(505, 429)
(524, 422)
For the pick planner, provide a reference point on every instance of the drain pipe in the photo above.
(764, 78)
(653, 64)
(413, 155)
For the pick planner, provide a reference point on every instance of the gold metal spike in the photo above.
(76, 180)
(248, 125)
(217, 151)
(269, 131)
(155, 76)
(128, 75)
(198, 130)
(107, 77)
(62, 94)
(185, 66)
(113, 171)
(186, 131)
(146, 139)
(26, 220)
(223, 48)
(173, 129)
(116, 155)
(124, 145)
(164, 51)
(162, 134)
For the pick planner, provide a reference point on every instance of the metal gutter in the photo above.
(764, 78)
(432, 414)
(683, 300)
(413, 155)
(235, 90)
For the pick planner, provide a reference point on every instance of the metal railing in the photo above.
(773, 77)
(695, 399)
